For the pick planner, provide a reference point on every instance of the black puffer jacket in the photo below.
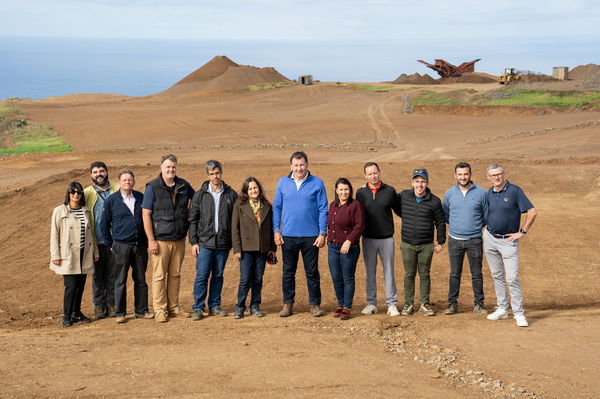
(202, 218)
(418, 219)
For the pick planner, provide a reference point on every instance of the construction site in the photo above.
(545, 129)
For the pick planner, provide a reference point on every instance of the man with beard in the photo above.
(466, 208)
(210, 236)
(103, 282)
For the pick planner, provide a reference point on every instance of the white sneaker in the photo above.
(369, 309)
(498, 314)
(521, 321)
(393, 311)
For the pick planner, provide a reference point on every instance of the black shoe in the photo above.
(239, 313)
(67, 322)
(197, 315)
(451, 309)
(80, 318)
(256, 312)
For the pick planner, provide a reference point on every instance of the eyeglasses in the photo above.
(73, 191)
(497, 175)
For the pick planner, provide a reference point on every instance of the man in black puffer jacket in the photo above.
(420, 212)
(210, 236)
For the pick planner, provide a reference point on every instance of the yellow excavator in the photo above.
(510, 75)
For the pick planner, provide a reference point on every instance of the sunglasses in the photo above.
(73, 191)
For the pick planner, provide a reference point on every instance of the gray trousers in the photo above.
(503, 258)
(385, 248)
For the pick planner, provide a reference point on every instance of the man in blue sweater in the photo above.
(122, 223)
(300, 226)
(465, 206)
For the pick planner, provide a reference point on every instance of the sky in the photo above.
(351, 36)
(421, 20)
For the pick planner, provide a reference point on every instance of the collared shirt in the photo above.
(98, 209)
(299, 182)
(217, 198)
(506, 207)
(129, 201)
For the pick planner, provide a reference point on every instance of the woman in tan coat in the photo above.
(252, 239)
(73, 250)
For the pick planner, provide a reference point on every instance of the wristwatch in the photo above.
(522, 231)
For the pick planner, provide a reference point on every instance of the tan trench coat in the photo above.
(65, 242)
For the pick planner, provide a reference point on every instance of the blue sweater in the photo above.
(303, 212)
(119, 224)
(466, 215)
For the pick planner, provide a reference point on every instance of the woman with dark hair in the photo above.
(73, 250)
(253, 241)
(345, 224)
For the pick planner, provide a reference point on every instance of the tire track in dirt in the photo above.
(384, 128)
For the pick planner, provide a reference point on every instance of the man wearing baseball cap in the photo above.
(421, 211)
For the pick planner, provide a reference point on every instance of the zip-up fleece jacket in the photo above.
(120, 224)
(303, 212)
(379, 222)
(466, 215)
(91, 197)
(202, 218)
(419, 218)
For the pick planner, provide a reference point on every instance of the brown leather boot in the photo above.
(287, 310)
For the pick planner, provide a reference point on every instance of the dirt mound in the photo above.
(415, 79)
(537, 77)
(592, 82)
(213, 68)
(583, 72)
(221, 73)
(470, 78)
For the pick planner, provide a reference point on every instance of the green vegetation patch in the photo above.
(372, 88)
(547, 98)
(5, 111)
(31, 138)
(267, 86)
(453, 97)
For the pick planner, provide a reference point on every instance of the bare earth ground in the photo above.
(553, 156)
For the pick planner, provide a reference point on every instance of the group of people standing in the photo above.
(107, 229)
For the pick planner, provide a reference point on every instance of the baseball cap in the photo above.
(420, 172)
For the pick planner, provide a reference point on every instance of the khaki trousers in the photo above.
(166, 274)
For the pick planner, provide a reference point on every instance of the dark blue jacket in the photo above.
(119, 224)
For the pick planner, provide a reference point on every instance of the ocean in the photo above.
(37, 67)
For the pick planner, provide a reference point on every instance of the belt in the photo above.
(500, 235)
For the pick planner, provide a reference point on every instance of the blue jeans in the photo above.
(310, 255)
(252, 268)
(343, 268)
(209, 261)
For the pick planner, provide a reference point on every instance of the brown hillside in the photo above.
(221, 73)
(213, 68)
